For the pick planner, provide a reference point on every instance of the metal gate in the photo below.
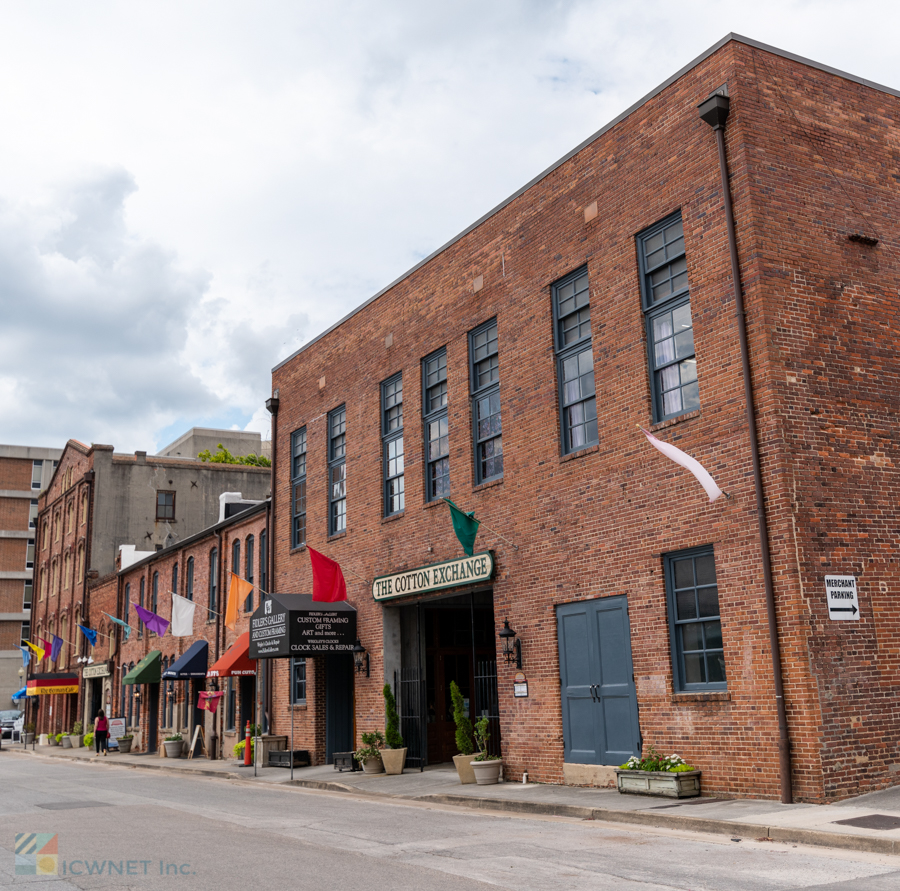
(487, 702)
(412, 715)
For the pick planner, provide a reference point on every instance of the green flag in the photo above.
(465, 526)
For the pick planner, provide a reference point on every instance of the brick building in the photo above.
(24, 472)
(96, 503)
(509, 371)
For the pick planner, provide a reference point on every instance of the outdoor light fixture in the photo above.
(360, 657)
(512, 646)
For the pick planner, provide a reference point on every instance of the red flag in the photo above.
(328, 580)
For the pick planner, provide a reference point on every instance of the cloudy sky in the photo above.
(189, 191)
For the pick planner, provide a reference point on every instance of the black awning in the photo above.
(192, 664)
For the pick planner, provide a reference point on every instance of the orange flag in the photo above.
(238, 591)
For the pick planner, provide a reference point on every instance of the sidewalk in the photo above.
(876, 816)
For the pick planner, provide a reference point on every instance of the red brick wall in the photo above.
(15, 474)
(598, 523)
(14, 513)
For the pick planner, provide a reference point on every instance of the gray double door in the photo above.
(599, 702)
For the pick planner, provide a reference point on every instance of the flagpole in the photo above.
(494, 531)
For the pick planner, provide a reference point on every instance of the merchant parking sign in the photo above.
(843, 605)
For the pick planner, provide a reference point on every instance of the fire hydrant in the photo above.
(247, 747)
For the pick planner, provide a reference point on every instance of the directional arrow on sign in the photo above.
(843, 609)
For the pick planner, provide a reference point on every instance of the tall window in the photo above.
(230, 710)
(484, 377)
(298, 487)
(213, 584)
(29, 554)
(667, 309)
(32, 515)
(141, 602)
(575, 361)
(29, 594)
(37, 471)
(698, 657)
(170, 704)
(236, 557)
(154, 595)
(130, 695)
(127, 601)
(263, 564)
(298, 681)
(248, 571)
(437, 431)
(189, 579)
(26, 630)
(175, 578)
(165, 505)
(122, 688)
(337, 471)
(392, 442)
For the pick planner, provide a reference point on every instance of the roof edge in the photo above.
(737, 38)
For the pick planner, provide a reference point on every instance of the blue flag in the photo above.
(90, 634)
(125, 625)
(26, 656)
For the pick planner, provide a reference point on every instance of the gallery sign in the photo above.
(449, 574)
(295, 625)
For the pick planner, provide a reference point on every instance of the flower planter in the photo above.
(668, 784)
(75, 741)
(173, 748)
(52, 741)
(66, 742)
(27, 738)
(125, 745)
(373, 765)
(463, 764)
(487, 773)
(394, 760)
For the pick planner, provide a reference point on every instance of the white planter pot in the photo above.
(394, 760)
(487, 773)
(374, 765)
(173, 748)
(685, 784)
(463, 764)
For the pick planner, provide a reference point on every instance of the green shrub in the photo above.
(656, 762)
(464, 740)
(77, 728)
(89, 739)
(239, 749)
(481, 737)
(392, 720)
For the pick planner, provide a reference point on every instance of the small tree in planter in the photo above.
(28, 738)
(75, 735)
(464, 739)
(369, 754)
(486, 766)
(394, 756)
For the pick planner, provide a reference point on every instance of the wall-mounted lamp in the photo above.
(360, 657)
(512, 646)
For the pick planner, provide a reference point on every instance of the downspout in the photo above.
(714, 111)
(219, 592)
(272, 404)
(85, 596)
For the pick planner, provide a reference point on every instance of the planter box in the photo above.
(651, 782)
(27, 738)
(373, 765)
(394, 760)
(125, 746)
(345, 761)
(67, 742)
(173, 748)
(76, 741)
(487, 773)
(282, 758)
(52, 741)
(263, 746)
(463, 764)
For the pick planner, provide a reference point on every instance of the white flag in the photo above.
(688, 463)
(182, 616)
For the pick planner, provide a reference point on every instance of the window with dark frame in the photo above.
(231, 710)
(174, 578)
(392, 444)
(298, 681)
(298, 488)
(37, 471)
(213, 607)
(154, 593)
(235, 558)
(165, 505)
(575, 362)
(248, 571)
(484, 380)
(667, 310)
(698, 656)
(189, 579)
(127, 602)
(263, 564)
(437, 430)
(337, 471)
(140, 624)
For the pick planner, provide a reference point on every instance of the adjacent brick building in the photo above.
(510, 370)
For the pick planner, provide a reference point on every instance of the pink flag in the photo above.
(688, 463)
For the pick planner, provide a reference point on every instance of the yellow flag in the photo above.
(38, 650)
(238, 591)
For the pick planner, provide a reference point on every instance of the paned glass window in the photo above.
(437, 429)
(248, 571)
(298, 488)
(189, 579)
(667, 308)
(298, 681)
(32, 515)
(37, 470)
(698, 654)
(337, 471)
(263, 564)
(231, 710)
(213, 584)
(140, 624)
(484, 377)
(165, 505)
(392, 443)
(175, 578)
(154, 597)
(575, 362)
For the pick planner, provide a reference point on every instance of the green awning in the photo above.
(147, 671)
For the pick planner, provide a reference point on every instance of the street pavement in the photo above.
(240, 834)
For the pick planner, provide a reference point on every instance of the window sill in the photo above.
(390, 519)
(488, 485)
(671, 422)
(299, 707)
(337, 536)
(298, 550)
(587, 450)
(710, 696)
(431, 504)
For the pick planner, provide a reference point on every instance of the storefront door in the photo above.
(338, 704)
(599, 702)
(152, 691)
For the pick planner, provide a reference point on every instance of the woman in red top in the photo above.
(101, 734)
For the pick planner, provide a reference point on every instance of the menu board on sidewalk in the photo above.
(116, 729)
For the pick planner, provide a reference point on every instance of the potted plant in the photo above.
(124, 744)
(394, 756)
(464, 740)
(89, 739)
(486, 766)
(369, 754)
(238, 750)
(173, 745)
(75, 735)
(28, 736)
(670, 776)
(65, 739)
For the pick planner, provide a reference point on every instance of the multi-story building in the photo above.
(24, 472)
(510, 371)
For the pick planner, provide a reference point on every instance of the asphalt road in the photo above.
(219, 834)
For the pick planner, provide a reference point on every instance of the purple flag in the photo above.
(57, 646)
(153, 622)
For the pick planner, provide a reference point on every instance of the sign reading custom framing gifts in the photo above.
(465, 571)
(295, 625)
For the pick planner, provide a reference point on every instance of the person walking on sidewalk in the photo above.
(101, 734)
